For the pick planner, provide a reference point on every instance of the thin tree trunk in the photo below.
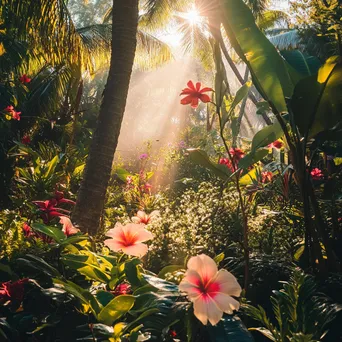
(91, 195)
(242, 111)
(239, 77)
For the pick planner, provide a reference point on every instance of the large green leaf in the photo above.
(53, 232)
(200, 157)
(161, 284)
(115, 309)
(86, 265)
(84, 296)
(317, 100)
(240, 95)
(267, 136)
(252, 158)
(305, 64)
(270, 73)
(229, 329)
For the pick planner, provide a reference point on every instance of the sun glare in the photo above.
(193, 16)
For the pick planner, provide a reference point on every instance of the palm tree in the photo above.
(98, 168)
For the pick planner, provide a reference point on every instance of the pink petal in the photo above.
(226, 303)
(228, 283)
(117, 233)
(204, 265)
(113, 245)
(144, 235)
(138, 250)
(198, 86)
(205, 309)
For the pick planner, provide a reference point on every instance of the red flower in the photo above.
(122, 289)
(236, 154)
(26, 140)
(9, 109)
(27, 230)
(13, 291)
(49, 211)
(173, 333)
(194, 94)
(24, 79)
(316, 174)
(13, 112)
(266, 176)
(276, 144)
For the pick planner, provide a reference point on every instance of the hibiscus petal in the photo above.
(205, 98)
(226, 303)
(116, 233)
(206, 89)
(228, 283)
(194, 102)
(187, 100)
(138, 250)
(205, 309)
(143, 235)
(214, 312)
(186, 91)
(191, 85)
(114, 245)
(204, 266)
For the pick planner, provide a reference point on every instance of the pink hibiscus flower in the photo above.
(210, 289)
(142, 217)
(128, 239)
(194, 94)
(68, 228)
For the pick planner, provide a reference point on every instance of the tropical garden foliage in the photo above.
(218, 235)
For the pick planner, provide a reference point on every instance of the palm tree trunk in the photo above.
(91, 195)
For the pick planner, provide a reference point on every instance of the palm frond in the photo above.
(258, 7)
(151, 51)
(195, 40)
(48, 91)
(271, 18)
(47, 28)
(287, 41)
(157, 13)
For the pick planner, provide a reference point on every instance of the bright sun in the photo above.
(193, 16)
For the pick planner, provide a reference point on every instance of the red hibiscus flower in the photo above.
(276, 144)
(13, 291)
(316, 174)
(24, 79)
(26, 140)
(194, 94)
